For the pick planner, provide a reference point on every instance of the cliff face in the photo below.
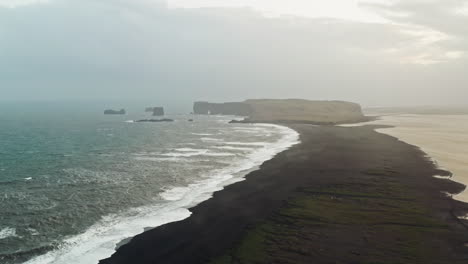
(286, 110)
(305, 111)
(206, 108)
(114, 112)
(158, 111)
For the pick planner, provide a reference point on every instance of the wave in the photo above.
(100, 240)
(186, 153)
(7, 232)
(234, 148)
(210, 139)
(15, 181)
(219, 154)
(187, 149)
(247, 143)
(172, 159)
(202, 134)
(230, 174)
(176, 156)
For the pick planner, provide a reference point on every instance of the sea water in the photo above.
(74, 182)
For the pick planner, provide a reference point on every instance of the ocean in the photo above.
(74, 182)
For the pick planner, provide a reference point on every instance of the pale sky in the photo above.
(345, 9)
(374, 52)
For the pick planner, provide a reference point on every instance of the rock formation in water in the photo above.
(157, 111)
(114, 112)
(287, 111)
(154, 120)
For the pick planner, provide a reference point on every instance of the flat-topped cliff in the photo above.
(232, 108)
(287, 110)
(293, 110)
(115, 112)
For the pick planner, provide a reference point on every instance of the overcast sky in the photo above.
(377, 53)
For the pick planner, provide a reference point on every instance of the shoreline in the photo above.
(332, 161)
(442, 137)
(114, 233)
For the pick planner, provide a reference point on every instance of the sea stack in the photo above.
(157, 111)
(115, 112)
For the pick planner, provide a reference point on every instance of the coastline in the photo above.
(442, 137)
(101, 239)
(388, 184)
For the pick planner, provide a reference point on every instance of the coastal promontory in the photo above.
(287, 111)
(115, 112)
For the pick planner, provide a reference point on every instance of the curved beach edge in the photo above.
(344, 195)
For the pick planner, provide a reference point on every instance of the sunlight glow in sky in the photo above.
(343, 9)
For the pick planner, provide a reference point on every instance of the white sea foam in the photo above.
(172, 159)
(28, 179)
(186, 153)
(202, 134)
(219, 154)
(209, 139)
(187, 149)
(175, 156)
(247, 143)
(7, 232)
(100, 240)
(33, 231)
(234, 148)
(189, 144)
(250, 129)
(233, 173)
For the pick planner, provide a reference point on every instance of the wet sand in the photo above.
(443, 137)
(344, 195)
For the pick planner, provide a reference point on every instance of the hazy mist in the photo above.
(139, 50)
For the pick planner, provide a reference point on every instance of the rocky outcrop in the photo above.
(305, 111)
(157, 111)
(154, 120)
(115, 112)
(232, 108)
(287, 111)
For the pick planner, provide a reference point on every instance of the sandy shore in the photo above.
(443, 137)
(344, 195)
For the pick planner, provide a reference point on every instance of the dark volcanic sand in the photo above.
(344, 195)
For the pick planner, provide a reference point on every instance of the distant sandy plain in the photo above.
(444, 138)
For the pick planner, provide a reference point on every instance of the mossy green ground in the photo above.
(378, 223)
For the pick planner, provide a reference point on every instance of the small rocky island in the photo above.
(157, 111)
(154, 120)
(115, 112)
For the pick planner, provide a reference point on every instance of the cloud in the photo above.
(19, 3)
(141, 49)
(441, 25)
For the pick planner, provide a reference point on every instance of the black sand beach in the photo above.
(344, 195)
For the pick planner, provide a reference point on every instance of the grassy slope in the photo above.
(382, 211)
(305, 110)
